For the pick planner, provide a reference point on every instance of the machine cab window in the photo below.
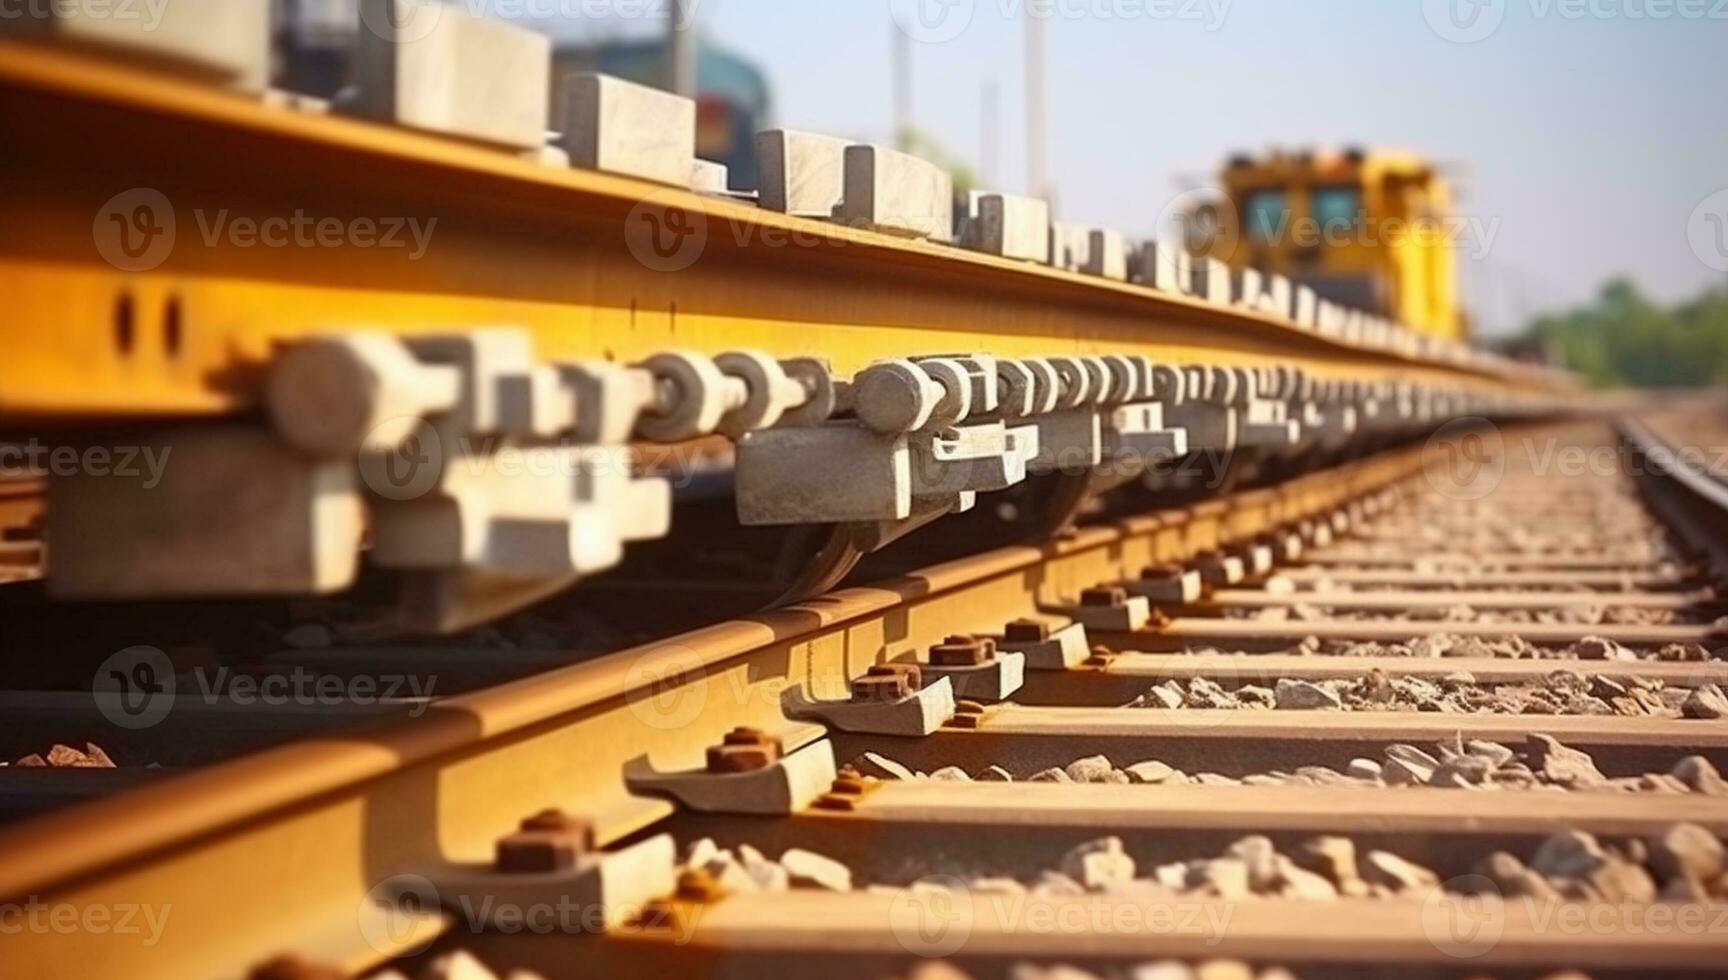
(1268, 215)
(1337, 208)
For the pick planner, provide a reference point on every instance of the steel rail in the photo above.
(319, 823)
(515, 242)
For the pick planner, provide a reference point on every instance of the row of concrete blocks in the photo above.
(924, 437)
(439, 68)
(490, 477)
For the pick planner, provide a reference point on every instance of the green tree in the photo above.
(1625, 338)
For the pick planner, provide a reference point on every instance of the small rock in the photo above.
(1700, 776)
(1622, 881)
(701, 852)
(1686, 850)
(1057, 884)
(1099, 864)
(768, 876)
(1294, 695)
(1391, 871)
(459, 965)
(1569, 854)
(1461, 771)
(66, 757)
(881, 767)
(95, 758)
(1561, 765)
(811, 870)
(1256, 851)
(1363, 769)
(1512, 879)
(1173, 875)
(1706, 702)
(1093, 769)
(1149, 772)
(1301, 883)
(1227, 878)
(951, 774)
(1050, 775)
(995, 774)
(1168, 696)
(1687, 891)
(1331, 857)
(1597, 648)
(1162, 970)
(1496, 754)
(309, 636)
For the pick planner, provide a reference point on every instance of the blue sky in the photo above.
(1582, 133)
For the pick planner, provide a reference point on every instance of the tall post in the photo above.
(902, 68)
(681, 50)
(1037, 172)
(990, 133)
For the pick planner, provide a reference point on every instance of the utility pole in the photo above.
(990, 133)
(902, 68)
(681, 50)
(1037, 163)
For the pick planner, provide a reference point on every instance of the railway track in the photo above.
(1303, 764)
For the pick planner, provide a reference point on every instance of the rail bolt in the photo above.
(963, 651)
(1105, 597)
(549, 841)
(888, 682)
(1026, 631)
(745, 750)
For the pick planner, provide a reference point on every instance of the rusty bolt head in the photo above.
(963, 651)
(745, 750)
(551, 840)
(1026, 631)
(696, 885)
(1104, 597)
